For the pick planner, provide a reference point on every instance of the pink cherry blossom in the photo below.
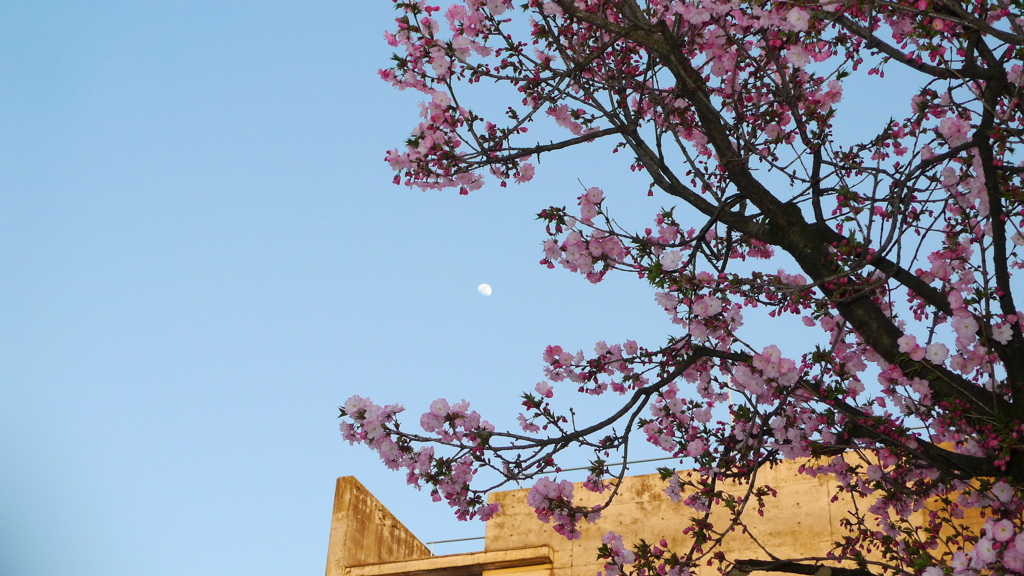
(1002, 530)
(937, 353)
(1002, 491)
(671, 260)
(707, 306)
(955, 130)
(798, 20)
(544, 389)
(797, 56)
(1002, 333)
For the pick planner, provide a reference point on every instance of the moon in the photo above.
(484, 289)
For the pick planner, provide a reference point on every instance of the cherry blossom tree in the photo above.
(896, 251)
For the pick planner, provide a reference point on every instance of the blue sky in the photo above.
(202, 255)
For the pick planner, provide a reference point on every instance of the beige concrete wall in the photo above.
(541, 570)
(363, 531)
(801, 521)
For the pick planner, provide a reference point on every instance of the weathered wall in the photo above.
(802, 521)
(363, 531)
(538, 570)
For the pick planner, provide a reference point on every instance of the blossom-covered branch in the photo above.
(897, 252)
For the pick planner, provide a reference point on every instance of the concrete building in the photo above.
(368, 540)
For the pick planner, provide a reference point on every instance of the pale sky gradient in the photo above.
(202, 255)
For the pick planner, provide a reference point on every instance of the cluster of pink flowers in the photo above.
(616, 553)
(453, 423)
(580, 253)
(375, 426)
(1001, 546)
(608, 369)
(431, 59)
(552, 501)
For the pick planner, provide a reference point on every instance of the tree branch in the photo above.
(789, 567)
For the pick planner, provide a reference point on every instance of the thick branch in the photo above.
(747, 566)
(1012, 355)
(947, 461)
